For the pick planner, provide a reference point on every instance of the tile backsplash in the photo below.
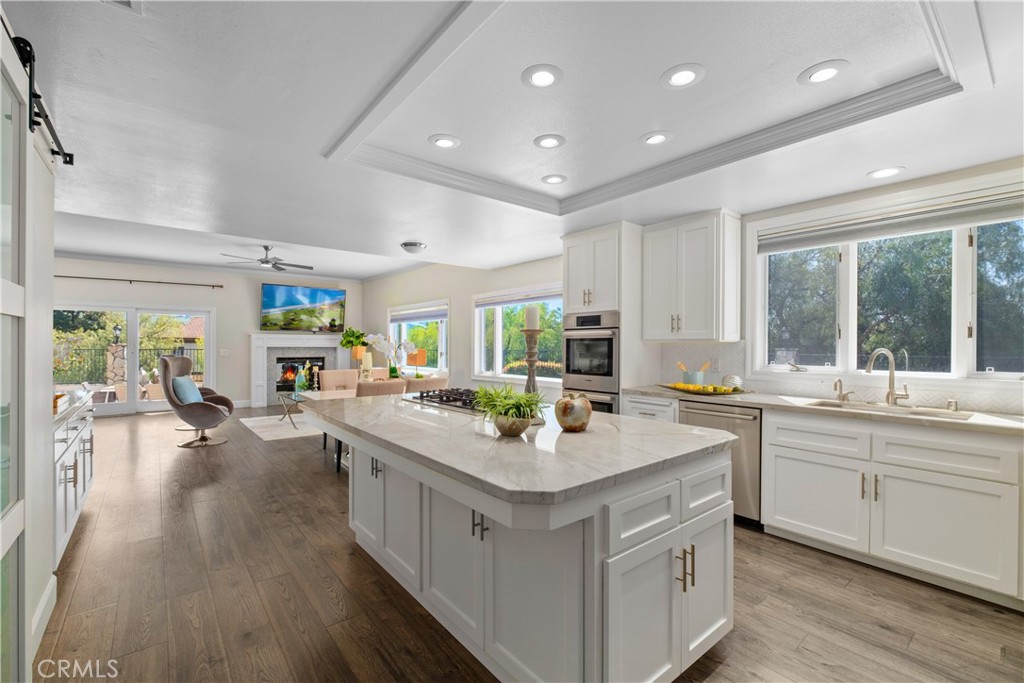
(731, 359)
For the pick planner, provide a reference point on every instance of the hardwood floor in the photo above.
(236, 563)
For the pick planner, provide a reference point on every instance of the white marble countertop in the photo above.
(990, 423)
(544, 466)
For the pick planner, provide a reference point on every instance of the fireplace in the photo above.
(288, 367)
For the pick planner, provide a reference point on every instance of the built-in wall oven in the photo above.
(591, 358)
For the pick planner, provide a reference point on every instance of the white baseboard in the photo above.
(243, 404)
(40, 620)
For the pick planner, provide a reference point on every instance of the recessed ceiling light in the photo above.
(656, 137)
(682, 76)
(819, 73)
(549, 141)
(541, 75)
(886, 172)
(444, 141)
(413, 247)
(554, 179)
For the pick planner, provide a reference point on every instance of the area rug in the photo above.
(272, 427)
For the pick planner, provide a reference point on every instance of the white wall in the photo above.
(236, 307)
(458, 285)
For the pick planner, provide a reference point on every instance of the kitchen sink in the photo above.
(857, 406)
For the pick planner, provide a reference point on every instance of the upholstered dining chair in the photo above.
(201, 408)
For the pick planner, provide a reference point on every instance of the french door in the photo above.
(115, 352)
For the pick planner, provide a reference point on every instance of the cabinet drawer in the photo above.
(705, 491)
(846, 438)
(664, 410)
(983, 456)
(638, 518)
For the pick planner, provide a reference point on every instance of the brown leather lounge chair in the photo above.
(205, 410)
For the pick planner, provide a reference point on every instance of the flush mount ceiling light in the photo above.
(444, 141)
(682, 76)
(554, 179)
(549, 141)
(541, 75)
(886, 172)
(819, 73)
(413, 247)
(656, 137)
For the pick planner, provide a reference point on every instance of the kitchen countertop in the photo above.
(991, 423)
(545, 466)
(76, 400)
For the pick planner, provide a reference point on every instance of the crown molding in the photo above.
(910, 92)
(456, 29)
(411, 167)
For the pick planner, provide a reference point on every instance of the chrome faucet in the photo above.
(841, 396)
(891, 396)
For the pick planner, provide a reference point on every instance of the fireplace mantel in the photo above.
(261, 343)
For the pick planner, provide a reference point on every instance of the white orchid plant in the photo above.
(389, 348)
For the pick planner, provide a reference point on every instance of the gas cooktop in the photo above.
(460, 399)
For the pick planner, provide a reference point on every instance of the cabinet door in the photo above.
(643, 602)
(579, 268)
(660, 251)
(60, 503)
(962, 528)
(453, 567)
(533, 595)
(364, 495)
(400, 526)
(697, 295)
(706, 542)
(650, 409)
(604, 288)
(817, 495)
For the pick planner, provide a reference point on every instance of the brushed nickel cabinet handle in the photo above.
(863, 484)
(683, 577)
(876, 487)
(693, 566)
(483, 529)
(472, 514)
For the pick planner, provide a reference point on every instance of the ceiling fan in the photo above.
(267, 261)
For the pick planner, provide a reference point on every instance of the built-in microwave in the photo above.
(591, 348)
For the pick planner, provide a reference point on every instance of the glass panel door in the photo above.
(91, 350)
(172, 333)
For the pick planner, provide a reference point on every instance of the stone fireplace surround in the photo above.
(265, 348)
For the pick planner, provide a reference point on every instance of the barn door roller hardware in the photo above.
(36, 107)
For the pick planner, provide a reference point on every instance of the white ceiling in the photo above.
(206, 127)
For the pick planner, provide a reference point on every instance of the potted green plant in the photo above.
(355, 341)
(511, 412)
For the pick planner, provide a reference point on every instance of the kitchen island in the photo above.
(602, 555)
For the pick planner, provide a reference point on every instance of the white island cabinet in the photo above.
(552, 556)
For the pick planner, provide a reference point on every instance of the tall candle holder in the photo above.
(532, 335)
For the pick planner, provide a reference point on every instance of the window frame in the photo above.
(442, 337)
(998, 179)
(519, 295)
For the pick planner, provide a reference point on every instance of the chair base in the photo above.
(202, 441)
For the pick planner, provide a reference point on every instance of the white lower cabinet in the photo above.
(385, 511)
(73, 473)
(506, 588)
(965, 529)
(926, 516)
(669, 599)
(650, 408)
(817, 495)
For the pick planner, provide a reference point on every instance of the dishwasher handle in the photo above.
(715, 413)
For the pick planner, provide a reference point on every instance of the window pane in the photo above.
(904, 300)
(802, 306)
(8, 439)
(9, 615)
(1000, 325)
(425, 335)
(89, 346)
(170, 334)
(487, 339)
(549, 344)
(8, 170)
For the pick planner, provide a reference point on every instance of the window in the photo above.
(802, 307)
(426, 326)
(999, 273)
(907, 292)
(500, 347)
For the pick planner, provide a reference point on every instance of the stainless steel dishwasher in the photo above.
(746, 454)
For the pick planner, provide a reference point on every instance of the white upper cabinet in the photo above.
(691, 278)
(591, 270)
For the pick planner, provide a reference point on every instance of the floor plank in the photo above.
(141, 605)
(195, 647)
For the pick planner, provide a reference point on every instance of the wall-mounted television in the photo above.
(288, 308)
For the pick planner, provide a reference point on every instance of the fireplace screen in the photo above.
(288, 368)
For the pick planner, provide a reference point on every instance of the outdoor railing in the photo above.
(90, 365)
